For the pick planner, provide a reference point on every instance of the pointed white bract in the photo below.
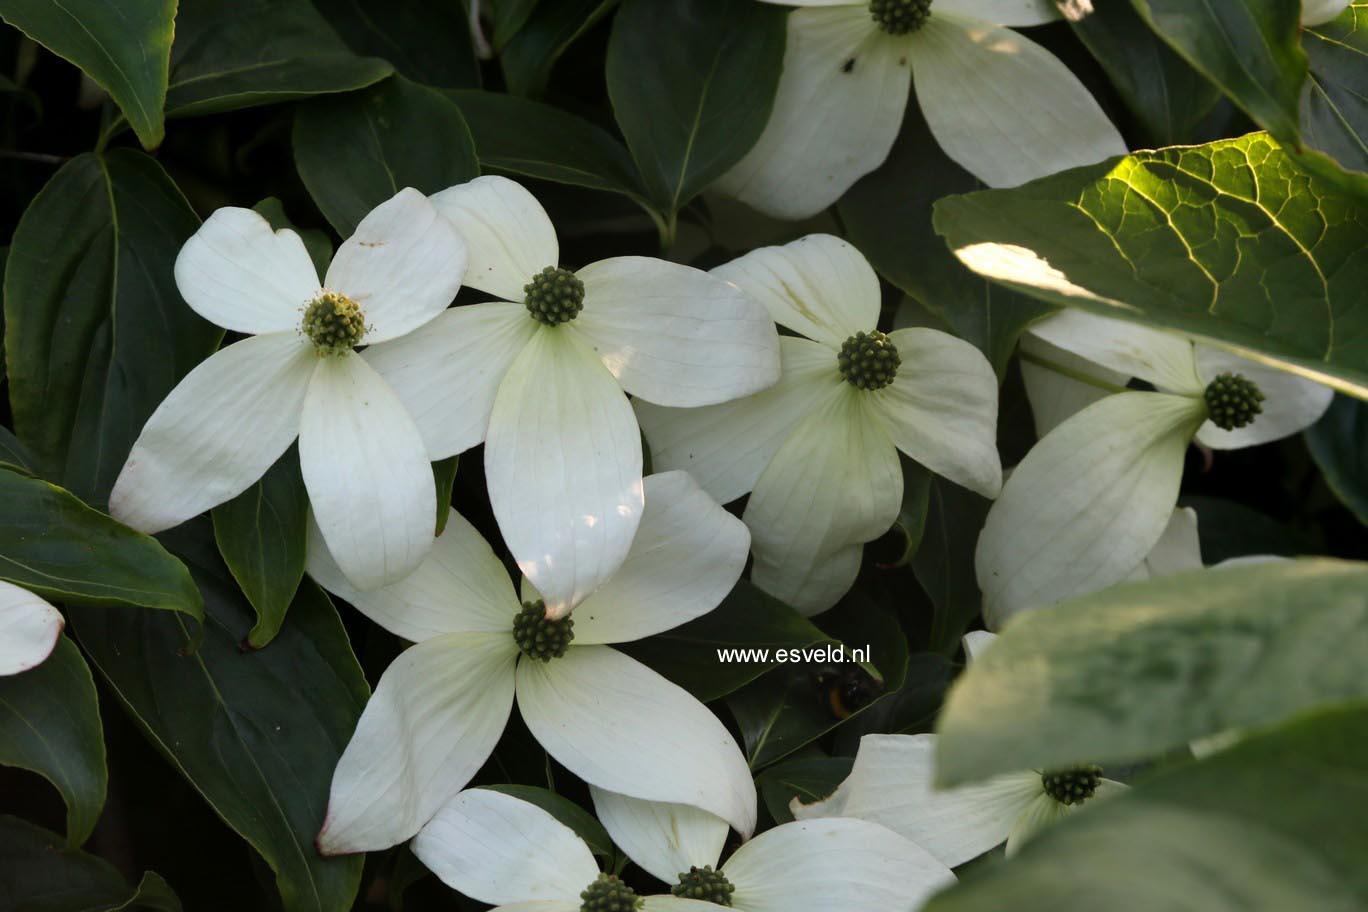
(891, 785)
(818, 454)
(499, 849)
(563, 450)
(999, 104)
(29, 628)
(229, 419)
(1086, 504)
(1319, 12)
(613, 722)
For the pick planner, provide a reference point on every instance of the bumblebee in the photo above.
(845, 688)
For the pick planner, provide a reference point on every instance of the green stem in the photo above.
(1072, 374)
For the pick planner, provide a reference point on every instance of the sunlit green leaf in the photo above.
(1229, 242)
(1139, 669)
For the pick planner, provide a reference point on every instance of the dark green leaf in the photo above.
(808, 779)
(747, 619)
(89, 293)
(13, 455)
(253, 52)
(427, 42)
(1128, 673)
(692, 83)
(566, 811)
(315, 241)
(1339, 444)
(39, 874)
(786, 710)
(262, 534)
(1167, 96)
(528, 57)
(1229, 529)
(531, 139)
(1273, 824)
(1250, 48)
(1334, 112)
(356, 151)
(50, 724)
(944, 565)
(887, 214)
(123, 47)
(508, 17)
(1228, 242)
(910, 710)
(257, 733)
(444, 472)
(911, 522)
(56, 546)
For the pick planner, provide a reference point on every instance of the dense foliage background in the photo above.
(221, 714)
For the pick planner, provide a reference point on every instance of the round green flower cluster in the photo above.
(554, 296)
(333, 323)
(538, 636)
(1072, 786)
(869, 360)
(609, 894)
(706, 884)
(900, 17)
(1232, 401)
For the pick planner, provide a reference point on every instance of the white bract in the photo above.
(818, 452)
(1319, 12)
(441, 706)
(999, 104)
(541, 381)
(891, 785)
(297, 375)
(29, 628)
(801, 866)
(1095, 495)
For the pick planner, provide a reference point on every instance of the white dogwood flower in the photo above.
(891, 785)
(1092, 498)
(29, 628)
(819, 450)
(441, 705)
(800, 866)
(297, 375)
(999, 104)
(539, 376)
